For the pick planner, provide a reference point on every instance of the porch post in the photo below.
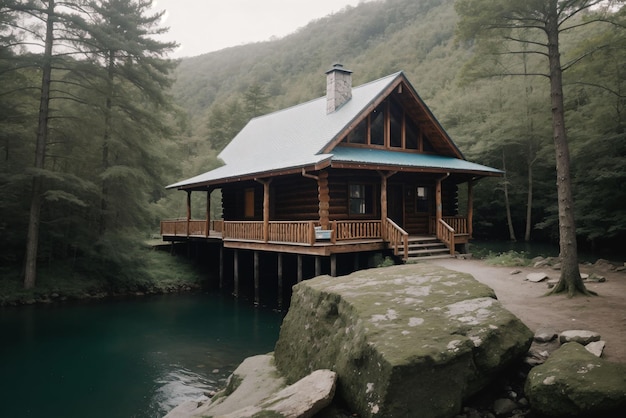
(266, 208)
(470, 208)
(188, 210)
(384, 211)
(324, 199)
(438, 204)
(208, 212)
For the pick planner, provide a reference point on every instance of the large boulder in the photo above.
(574, 382)
(405, 341)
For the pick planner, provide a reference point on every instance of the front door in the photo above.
(395, 203)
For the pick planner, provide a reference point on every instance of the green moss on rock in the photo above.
(413, 340)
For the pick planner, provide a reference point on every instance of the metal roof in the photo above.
(296, 137)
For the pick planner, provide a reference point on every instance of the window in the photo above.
(395, 125)
(361, 199)
(412, 134)
(377, 126)
(359, 134)
(422, 203)
(249, 203)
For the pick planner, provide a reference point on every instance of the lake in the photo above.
(134, 357)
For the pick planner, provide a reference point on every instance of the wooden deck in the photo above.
(307, 237)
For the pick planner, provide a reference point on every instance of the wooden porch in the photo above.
(308, 237)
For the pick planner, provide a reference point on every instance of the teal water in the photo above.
(125, 358)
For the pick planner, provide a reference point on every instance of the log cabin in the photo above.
(359, 170)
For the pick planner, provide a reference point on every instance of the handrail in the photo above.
(396, 235)
(446, 234)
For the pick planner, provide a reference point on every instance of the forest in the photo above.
(95, 119)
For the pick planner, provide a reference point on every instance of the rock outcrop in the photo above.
(256, 389)
(574, 382)
(405, 341)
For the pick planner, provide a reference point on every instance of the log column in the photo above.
(266, 208)
(323, 195)
(470, 208)
(188, 210)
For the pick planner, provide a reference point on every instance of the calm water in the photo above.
(124, 358)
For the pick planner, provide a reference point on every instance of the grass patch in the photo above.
(507, 259)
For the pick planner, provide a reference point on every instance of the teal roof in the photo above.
(372, 156)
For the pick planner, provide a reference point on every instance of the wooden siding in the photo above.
(294, 198)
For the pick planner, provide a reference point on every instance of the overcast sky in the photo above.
(202, 26)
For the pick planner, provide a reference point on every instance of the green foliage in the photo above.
(77, 278)
(507, 259)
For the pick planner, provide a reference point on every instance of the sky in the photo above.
(202, 26)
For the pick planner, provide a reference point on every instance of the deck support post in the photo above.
(356, 262)
(318, 265)
(257, 297)
(299, 268)
(333, 265)
(280, 280)
(236, 273)
(221, 267)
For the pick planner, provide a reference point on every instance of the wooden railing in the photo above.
(396, 237)
(446, 234)
(243, 230)
(293, 232)
(350, 230)
(296, 232)
(458, 223)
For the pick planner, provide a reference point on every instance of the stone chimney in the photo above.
(338, 87)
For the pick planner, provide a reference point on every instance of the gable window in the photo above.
(249, 203)
(388, 126)
(361, 199)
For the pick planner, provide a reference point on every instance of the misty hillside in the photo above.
(373, 39)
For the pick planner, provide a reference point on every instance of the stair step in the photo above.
(427, 257)
(428, 251)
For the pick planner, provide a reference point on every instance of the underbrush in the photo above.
(150, 271)
(507, 259)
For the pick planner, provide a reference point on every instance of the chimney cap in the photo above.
(338, 67)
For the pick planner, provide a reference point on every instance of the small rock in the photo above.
(556, 266)
(596, 347)
(621, 268)
(503, 406)
(544, 335)
(584, 276)
(536, 357)
(536, 277)
(596, 278)
(515, 272)
(541, 263)
(580, 336)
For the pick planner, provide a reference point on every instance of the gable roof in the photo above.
(305, 136)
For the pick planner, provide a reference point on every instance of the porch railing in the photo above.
(191, 227)
(397, 237)
(350, 230)
(458, 223)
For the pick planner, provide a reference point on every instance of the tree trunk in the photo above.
(529, 197)
(570, 280)
(32, 239)
(108, 110)
(507, 204)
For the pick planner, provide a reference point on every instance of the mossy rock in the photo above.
(405, 341)
(573, 382)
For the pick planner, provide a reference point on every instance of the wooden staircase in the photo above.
(423, 248)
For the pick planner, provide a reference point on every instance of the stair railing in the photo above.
(397, 238)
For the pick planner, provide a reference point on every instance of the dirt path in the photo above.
(604, 314)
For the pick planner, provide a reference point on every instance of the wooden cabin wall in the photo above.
(233, 201)
(294, 198)
(338, 183)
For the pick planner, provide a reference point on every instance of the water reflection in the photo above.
(125, 358)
